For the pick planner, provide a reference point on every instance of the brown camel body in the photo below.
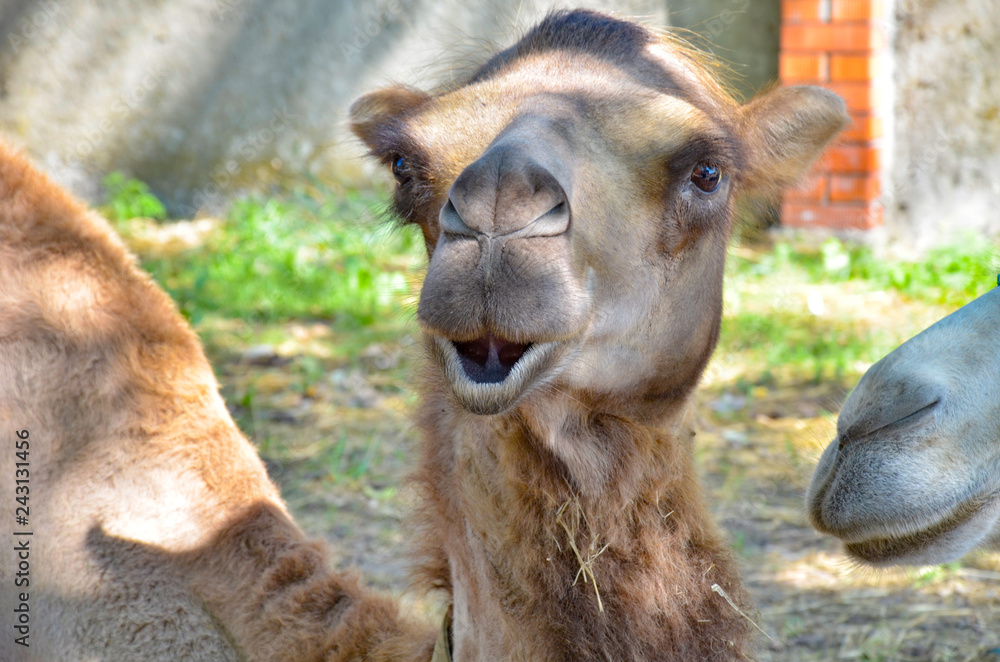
(576, 196)
(156, 534)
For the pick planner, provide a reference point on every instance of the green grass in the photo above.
(126, 199)
(305, 254)
(345, 463)
(776, 334)
(812, 349)
(952, 274)
(921, 577)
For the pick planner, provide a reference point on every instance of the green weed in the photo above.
(770, 331)
(299, 256)
(789, 346)
(923, 577)
(952, 274)
(130, 198)
(343, 461)
(310, 370)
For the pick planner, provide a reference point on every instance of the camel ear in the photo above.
(786, 129)
(373, 111)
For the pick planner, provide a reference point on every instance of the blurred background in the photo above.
(212, 133)
(199, 98)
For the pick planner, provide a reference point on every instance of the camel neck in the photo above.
(588, 539)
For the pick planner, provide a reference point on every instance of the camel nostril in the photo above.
(904, 419)
(519, 187)
(452, 223)
(552, 223)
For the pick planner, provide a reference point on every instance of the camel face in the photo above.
(551, 248)
(575, 196)
(913, 476)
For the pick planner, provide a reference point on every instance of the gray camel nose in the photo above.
(507, 191)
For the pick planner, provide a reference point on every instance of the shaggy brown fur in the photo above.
(157, 534)
(576, 198)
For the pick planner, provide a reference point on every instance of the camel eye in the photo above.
(706, 177)
(399, 167)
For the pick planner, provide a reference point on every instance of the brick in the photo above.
(854, 188)
(852, 159)
(795, 11)
(853, 67)
(857, 96)
(863, 127)
(832, 216)
(803, 68)
(812, 189)
(823, 37)
(857, 10)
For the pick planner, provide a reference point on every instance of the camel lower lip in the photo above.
(896, 548)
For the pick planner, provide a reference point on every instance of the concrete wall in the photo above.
(192, 95)
(945, 175)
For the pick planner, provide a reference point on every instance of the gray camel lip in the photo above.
(974, 504)
(914, 545)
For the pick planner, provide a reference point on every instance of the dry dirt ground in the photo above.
(338, 441)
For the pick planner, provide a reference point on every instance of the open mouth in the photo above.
(488, 359)
(489, 375)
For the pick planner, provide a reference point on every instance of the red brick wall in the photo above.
(839, 44)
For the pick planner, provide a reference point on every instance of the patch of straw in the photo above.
(586, 564)
(718, 589)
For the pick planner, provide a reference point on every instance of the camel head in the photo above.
(576, 195)
(913, 476)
